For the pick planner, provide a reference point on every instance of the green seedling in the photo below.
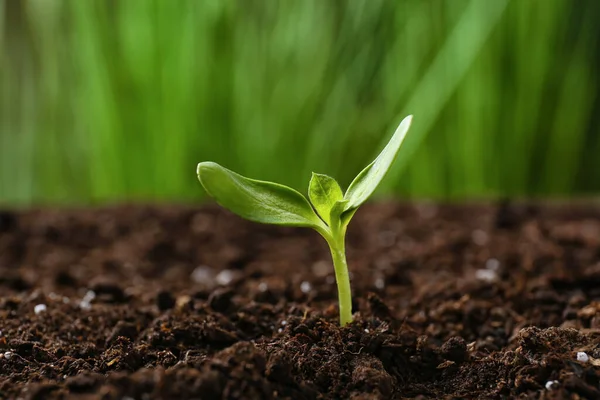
(329, 211)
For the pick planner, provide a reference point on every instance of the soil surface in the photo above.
(487, 301)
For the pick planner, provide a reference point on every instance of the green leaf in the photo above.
(324, 192)
(365, 183)
(258, 201)
(340, 219)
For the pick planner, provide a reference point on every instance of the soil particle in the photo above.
(455, 349)
(165, 300)
(220, 299)
(369, 376)
(173, 302)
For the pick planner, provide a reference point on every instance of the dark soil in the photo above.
(185, 303)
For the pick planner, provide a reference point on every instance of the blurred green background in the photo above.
(118, 100)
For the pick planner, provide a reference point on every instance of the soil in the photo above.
(176, 302)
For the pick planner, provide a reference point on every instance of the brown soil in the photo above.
(183, 303)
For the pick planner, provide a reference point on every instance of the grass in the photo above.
(105, 101)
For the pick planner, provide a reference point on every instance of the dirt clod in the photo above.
(165, 300)
(454, 349)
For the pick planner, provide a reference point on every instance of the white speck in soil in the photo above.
(279, 330)
(321, 268)
(486, 275)
(202, 274)
(366, 331)
(224, 277)
(40, 308)
(551, 385)
(380, 283)
(86, 302)
(479, 237)
(492, 264)
(66, 300)
(263, 287)
(89, 296)
(53, 296)
(8, 355)
(582, 357)
(284, 322)
(305, 287)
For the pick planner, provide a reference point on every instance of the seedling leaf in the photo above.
(365, 183)
(258, 201)
(339, 218)
(324, 192)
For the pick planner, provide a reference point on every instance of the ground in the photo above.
(183, 302)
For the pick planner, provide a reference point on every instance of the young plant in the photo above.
(329, 211)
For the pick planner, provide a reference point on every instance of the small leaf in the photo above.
(365, 183)
(340, 218)
(324, 192)
(258, 201)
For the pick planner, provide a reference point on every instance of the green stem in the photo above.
(338, 253)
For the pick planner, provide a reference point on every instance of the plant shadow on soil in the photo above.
(175, 302)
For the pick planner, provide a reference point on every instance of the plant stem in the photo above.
(338, 253)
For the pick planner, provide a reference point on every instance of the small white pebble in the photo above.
(86, 302)
(279, 330)
(486, 275)
(551, 385)
(202, 274)
(8, 355)
(284, 322)
(40, 308)
(305, 287)
(380, 283)
(89, 296)
(366, 331)
(262, 287)
(321, 268)
(65, 376)
(224, 277)
(492, 264)
(582, 357)
(479, 237)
